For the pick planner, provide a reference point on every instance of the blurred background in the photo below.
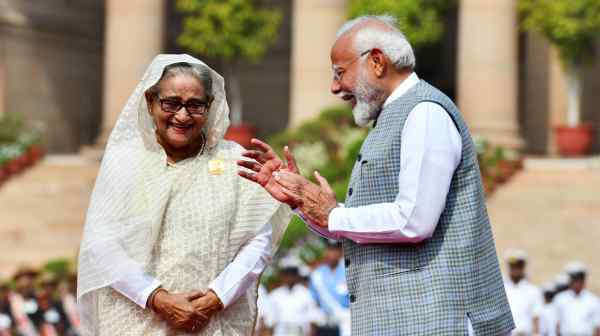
(523, 72)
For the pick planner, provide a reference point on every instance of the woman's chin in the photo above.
(178, 141)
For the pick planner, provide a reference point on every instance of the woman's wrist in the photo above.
(217, 301)
(151, 303)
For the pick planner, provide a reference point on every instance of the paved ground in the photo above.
(551, 209)
(42, 211)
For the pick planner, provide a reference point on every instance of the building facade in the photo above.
(72, 64)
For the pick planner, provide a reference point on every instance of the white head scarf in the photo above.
(132, 190)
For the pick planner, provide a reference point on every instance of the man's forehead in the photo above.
(342, 50)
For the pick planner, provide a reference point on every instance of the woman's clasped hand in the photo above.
(187, 311)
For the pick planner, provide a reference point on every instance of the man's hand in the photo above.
(314, 201)
(208, 304)
(266, 163)
(178, 311)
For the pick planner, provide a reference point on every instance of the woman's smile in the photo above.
(179, 128)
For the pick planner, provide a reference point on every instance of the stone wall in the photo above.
(52, 56)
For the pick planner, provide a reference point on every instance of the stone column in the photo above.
(3, 77)
(488, 69)
(133, 36)
(2, 87)
(557, 97)
(314, 25)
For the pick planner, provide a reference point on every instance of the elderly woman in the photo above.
(174, 239)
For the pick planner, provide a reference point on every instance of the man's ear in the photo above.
(378, 62)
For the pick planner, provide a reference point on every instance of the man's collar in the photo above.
(401, 89)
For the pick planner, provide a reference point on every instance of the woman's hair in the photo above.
(197, 71)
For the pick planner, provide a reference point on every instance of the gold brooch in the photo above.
(216, 167)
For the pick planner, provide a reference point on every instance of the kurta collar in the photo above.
(401, 89)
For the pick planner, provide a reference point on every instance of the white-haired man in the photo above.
(419, 252)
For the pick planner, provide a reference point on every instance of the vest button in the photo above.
(347, 262)
(350, 192)
(352, 298)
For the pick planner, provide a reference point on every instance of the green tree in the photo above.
(230, 31)
(420, 20)
(572, 27)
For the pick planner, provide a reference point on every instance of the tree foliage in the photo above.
(573, 26)
(420, 20)
(228, 29)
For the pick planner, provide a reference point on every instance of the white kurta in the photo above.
(525, 300)
(431, 151)
(548, 319)
(578, 314)
(293, 311)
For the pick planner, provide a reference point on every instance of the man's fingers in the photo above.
(252, 165)
(291, 161)
(264, 147)
(290, 178)
(295, 198)
(248, 176)
(287, 180)
(323, 182)
(271, 166)
(258, 156)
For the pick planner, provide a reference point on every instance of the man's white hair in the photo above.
(390, 41)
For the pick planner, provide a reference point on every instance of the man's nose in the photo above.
(335, 87)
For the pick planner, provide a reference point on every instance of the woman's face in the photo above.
(182, 128)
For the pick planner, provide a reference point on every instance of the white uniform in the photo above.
(548, 319)
(294, 310)
(578, 314)
(524, 300)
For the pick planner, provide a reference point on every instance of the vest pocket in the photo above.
(391, 259)
(378, 176)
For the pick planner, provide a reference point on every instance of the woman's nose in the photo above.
(182, 115)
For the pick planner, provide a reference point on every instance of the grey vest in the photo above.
(432, 287)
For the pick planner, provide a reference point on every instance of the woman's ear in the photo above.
(149, 100)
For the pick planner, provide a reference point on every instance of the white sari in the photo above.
(182, 223)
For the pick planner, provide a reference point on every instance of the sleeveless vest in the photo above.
(429, 288)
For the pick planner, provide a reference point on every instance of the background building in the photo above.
(71, 65)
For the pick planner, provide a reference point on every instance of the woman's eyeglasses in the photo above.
(195, 108)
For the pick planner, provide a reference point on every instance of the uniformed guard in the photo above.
(578, 309)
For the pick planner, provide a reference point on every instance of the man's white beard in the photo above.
(362, 113)
(368, 101)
